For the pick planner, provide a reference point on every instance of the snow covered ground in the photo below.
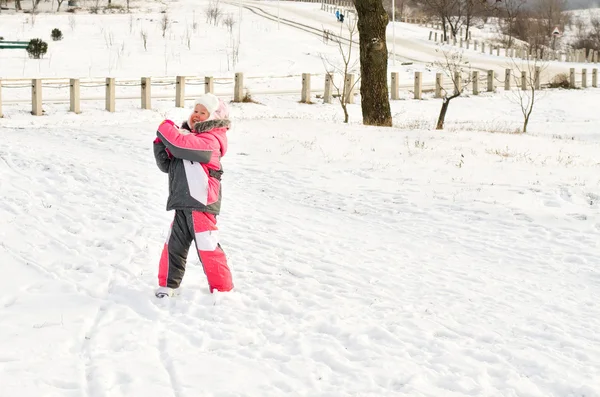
(367, 261)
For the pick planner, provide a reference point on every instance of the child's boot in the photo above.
(161, 292)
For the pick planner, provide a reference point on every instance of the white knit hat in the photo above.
(209, 101)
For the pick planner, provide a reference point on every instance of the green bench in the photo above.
(13, 44)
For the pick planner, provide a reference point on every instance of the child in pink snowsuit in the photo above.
(191, 156)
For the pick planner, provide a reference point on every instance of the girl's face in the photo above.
(198, 115)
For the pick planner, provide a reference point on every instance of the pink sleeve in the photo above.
(193, 147)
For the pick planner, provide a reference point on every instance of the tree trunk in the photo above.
(444, 27)
(372, 23)
(345, 109)
(440, 122)
(468, 25)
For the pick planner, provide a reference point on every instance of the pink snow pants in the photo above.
(201, 228)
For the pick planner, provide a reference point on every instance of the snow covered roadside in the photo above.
(367, 261)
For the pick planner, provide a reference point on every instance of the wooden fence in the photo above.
(521, 52)
(478, 83)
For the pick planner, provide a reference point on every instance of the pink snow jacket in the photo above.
(193, 161)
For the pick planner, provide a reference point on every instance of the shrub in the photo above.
(56, 34)
(560, 81)
(37, 48)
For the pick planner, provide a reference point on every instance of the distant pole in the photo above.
(278, 1)
(394, 32)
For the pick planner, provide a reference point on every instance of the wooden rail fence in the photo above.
(479, 83)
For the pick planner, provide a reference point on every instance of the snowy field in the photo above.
(366, 261)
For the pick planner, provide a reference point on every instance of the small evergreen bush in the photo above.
(37, 48)
(56, 34)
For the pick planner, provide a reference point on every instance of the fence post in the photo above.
(439, 83)
(418, 85)
(146, 93)
(430, 34)
(349, 83)
(524, 80)
(483, 47)
(457, 83)
(507, 76)
(1, 115)
(395, 86)
(110, 94)
(536, 78)
(584, 78)
(180, 91)
(238, 90)
(461, 42)
(572, 77)
(475, 45)
(490, 81)
(36, 97)
(305, 95)
(436, 37)
(74, 105)
(209, 85)
(594, 80)
(328, 84)
(475, 83)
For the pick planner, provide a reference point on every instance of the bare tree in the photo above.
(34, 7)
(233, 51)
(534, 23)
(587, 33)
(455, 67)
(144, 35)
(59, 2)
(188, 37)
(472, 9)
(511, 10)
(441, 9)
(213, 12)
(165, 22)
(374, 94)
(527, 84)
(345, 67)
(401, 8)
(229, 22)
(551, 14)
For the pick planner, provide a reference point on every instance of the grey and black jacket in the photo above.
(192, 158)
